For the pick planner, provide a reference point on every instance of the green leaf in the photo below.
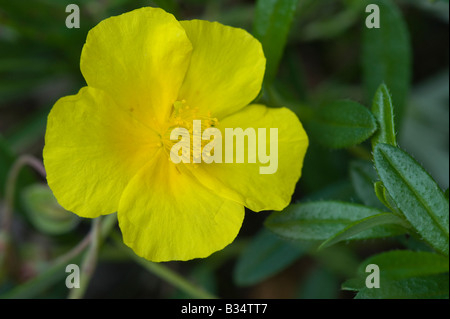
(44, 211)
(414, 243)
(383, 111)
(384, 197)
(386, 56)
(265, 256)
(273, 19)
(321, 220)
(430, 287)
(362, 225)
(380, 192)
(416, 194)
(342, 124)
(363, 175)
(398, 265)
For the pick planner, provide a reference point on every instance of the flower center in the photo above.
(184, 120)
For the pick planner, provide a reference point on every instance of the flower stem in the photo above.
(51, 275)
(165, 273)
(10, 186)
(7, 255)
(100, 229)
(89, 262)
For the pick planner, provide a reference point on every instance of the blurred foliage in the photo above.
(326, 66)
(45, 213)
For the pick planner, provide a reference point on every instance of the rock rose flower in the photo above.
(107, 148)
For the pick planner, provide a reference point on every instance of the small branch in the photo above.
(45, 279)
(101, 228)
(8, 207)
(89, 262)
(10, 186)
(165, 273)
(78, 249)
(107, 225)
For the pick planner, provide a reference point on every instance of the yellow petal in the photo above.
(244, 182)
(92, 149)
(140, 58)
(226, 70)
(165, 214)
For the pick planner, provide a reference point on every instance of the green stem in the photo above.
(89, 262)
(74, 252)
(55, 270)
(106, 226)
(7, 262)
(10, 186)
(165, 273)
(101, 227)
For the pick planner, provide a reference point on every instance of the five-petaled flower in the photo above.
(106, 148)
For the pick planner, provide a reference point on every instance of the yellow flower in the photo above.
(107, 147)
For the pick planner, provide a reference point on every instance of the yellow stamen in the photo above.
(183, 116)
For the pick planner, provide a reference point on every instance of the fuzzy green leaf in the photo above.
(384, 197)
(321, 220)
(430, 287)
(416, 194)
(362, 225)
(341, 124)
(380, 192)
(383, 111)
(398, 265)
